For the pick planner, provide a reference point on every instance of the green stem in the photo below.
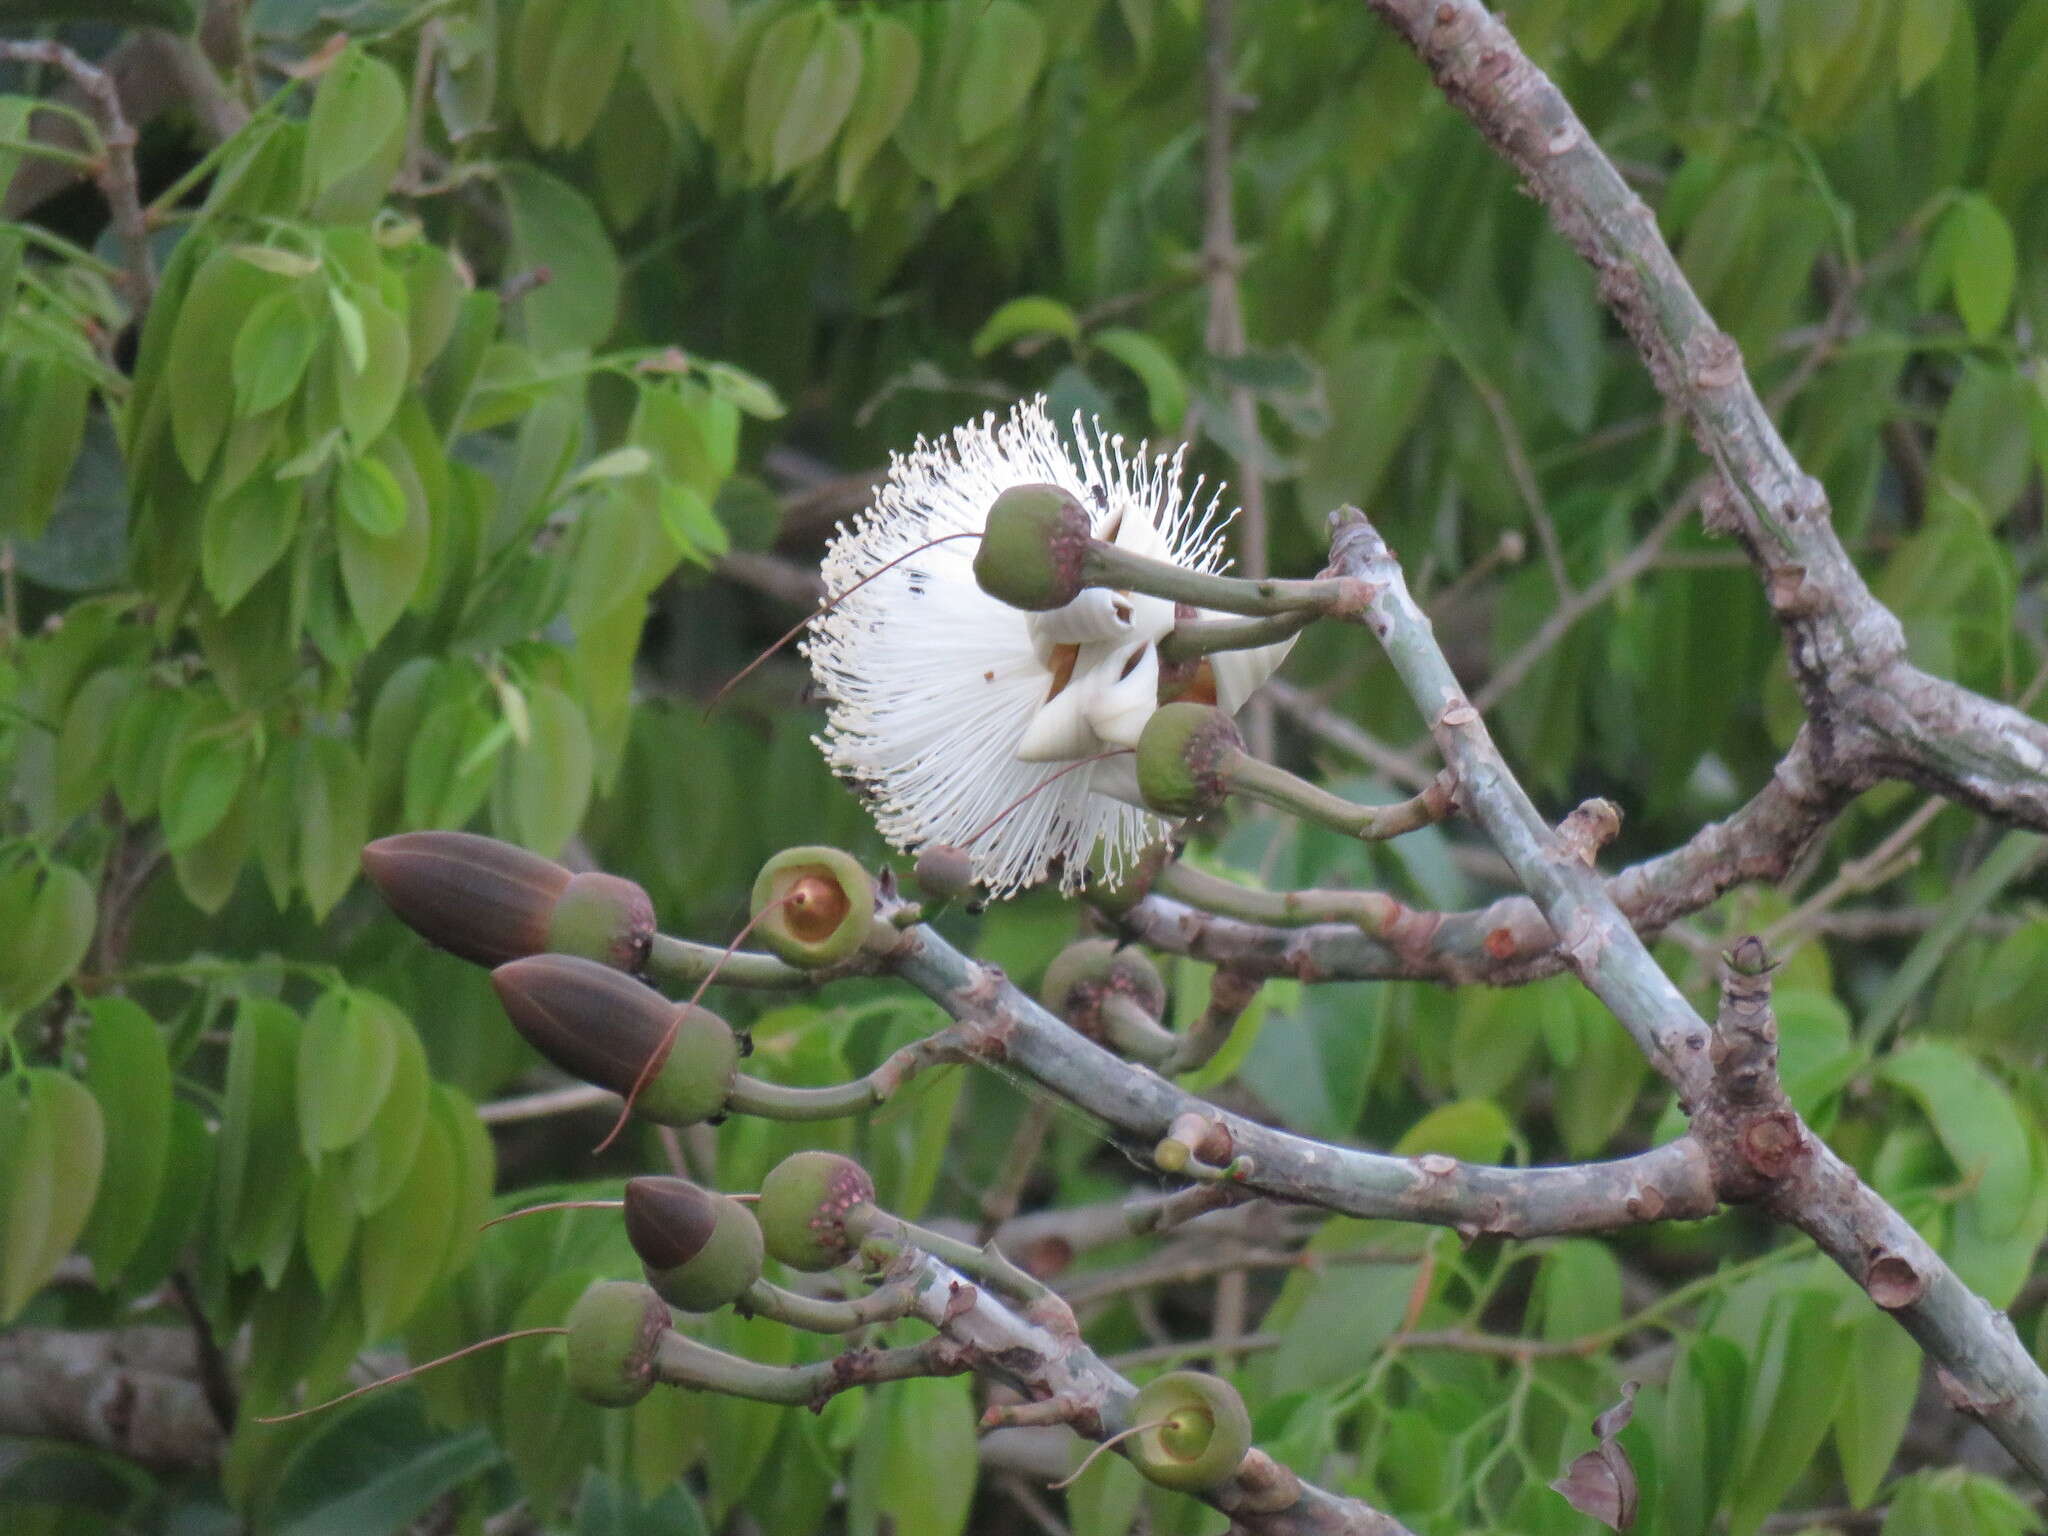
(984, 1264)
(683, 1362)
(1204, 637)
(815, 1314)
(1369, 910)
(780, 1101)
(88, 163)
(678, 963)
(1275, 786)
(1105, 565)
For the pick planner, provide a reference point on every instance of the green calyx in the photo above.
(1197, 1431)
(700, 1250)
(814, 906)
(1084, 973)
(602, 1026)
(1032, 548)
(604, 918)
(1184, 758)
(615, 1330)
(805, 1202)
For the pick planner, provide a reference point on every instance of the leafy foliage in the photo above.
(402, 503)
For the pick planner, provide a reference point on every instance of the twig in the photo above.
(113, 166)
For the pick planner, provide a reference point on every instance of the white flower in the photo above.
(948, 706)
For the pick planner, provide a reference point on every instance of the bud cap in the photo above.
(1184, 757)
(701, 1250)
(475, 897)
(1032, 548)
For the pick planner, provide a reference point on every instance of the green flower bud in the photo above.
(1199, 1431)
(603, 918)
(700, 1250)
(1133, 885)
(615, 1332)
(804, 1203)
(602, 1026)
(823, 905)
(944, 872)
(1084, 973)
(1032, 548)
(1184, 757)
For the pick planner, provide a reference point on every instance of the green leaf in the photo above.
(888, 81)
(86, 747)
(368, 390)
(545, 784)
(1983, 262)
(1031, 315)
(245, 534)
(43, 404)
(199, 370)
(1004, 53)
(553, 226)
(1979, 1126)
(1166, 387)
(187, 1181)
(261, 1174)
(737, 387)
(334, 820)
(348, 1049)
(1801, 1365)
(49, 931)
(382, 572)
(381, 1160)
(328, 1225)
(206, 771)
(1474, 1130)
(1703, 1413)
(355, 137)
(403, 1243)
(1597, 1092)
(619, 464)
(691, 524)
(51, 1147)
(565, 58)
(814, 99)
(368, 494)
(1884, 1379)
(271, 352)
(603, 1508)
(914, 1468)
(128, 1070)
(1924, 29)
(375, 1467)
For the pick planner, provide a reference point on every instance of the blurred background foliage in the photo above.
(508, 362)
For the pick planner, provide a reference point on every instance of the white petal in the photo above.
(1120, 705)
(1239, 673)
(1060, 731)
(1097, 614)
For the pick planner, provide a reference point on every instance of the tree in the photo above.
(392, 439)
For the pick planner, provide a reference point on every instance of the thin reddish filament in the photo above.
(554, 1205)
(1046, 784)
(411, 1371)
(660, 1051)
(824, 608)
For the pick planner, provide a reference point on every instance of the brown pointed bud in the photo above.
(1184, 758)
(701, 1250)
(603, 918)
(602, 1026)
(944, 872)
(805, 1201)
(490, 902)
(1084, 974)
(476, 897)
(813, 906)
(615, 1332)
(1032, 548)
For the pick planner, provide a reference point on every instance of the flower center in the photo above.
(815, 907)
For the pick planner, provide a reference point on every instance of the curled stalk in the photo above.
(817, 1314)
(1196, 638)
(1371, 912)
